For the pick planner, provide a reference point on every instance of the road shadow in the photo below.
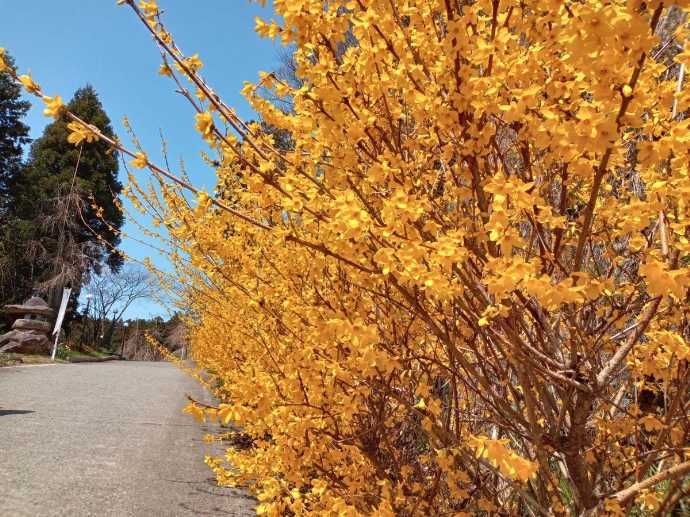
(231, 502)
(224, 492)
(7, 412)
(214, 512)
(210, 487)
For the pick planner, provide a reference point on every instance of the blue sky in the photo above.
(69, 43)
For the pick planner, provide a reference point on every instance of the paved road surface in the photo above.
(105, 439)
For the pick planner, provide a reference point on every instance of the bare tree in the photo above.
(50, 251)
(66, 258)
(114, 293)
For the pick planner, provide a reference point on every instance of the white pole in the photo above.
(61, 315)
(57, 336)
(679, 87)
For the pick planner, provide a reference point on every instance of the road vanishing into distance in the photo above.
(106, 439)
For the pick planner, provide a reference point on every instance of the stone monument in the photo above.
(30, 332)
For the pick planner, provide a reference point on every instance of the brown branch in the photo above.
(200, 404)
(627, 494)
(607, 372)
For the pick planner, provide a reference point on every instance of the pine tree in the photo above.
(63, 204)
(13, 133)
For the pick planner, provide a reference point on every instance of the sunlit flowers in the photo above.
(140, 161)
(54, 106)
(3, 64)
(29, 84)
(150, 8)
(204, 123)
(194, 63)
(448, 271)
(80, 133)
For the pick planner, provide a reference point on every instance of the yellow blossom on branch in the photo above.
(140, 161)
(54, 106)
(204, 123)
(448, 271)
(165, 70)
(3, 64)
(194, 63)
(29, 84)
(150, 8)
(80, 132)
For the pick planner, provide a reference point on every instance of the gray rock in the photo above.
(26, 341)
(29, 334)
(37, 325)
(23, 309)
(34, 305)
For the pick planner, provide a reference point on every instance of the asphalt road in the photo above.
(105, 439)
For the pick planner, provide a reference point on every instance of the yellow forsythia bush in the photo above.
(453, 277)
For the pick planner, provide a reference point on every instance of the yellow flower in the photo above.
(165, 36)
(403, 234)
(3, 65)
(683, 58)
(80, 132)
(140, 161)
(194, 63)
(29, 84)
(150, 8)
(189, 65)
(261, 27)
(54, 106)
(204, 200)
(248, 89)
(264, 29)
(204, 123)
(165, 70)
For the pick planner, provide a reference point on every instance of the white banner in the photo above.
(63, 308)
(61, 316)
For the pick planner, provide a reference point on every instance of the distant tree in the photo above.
(134, 338)
(13, 135)
(63, 204)
(114, 293)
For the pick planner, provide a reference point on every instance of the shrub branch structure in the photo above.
(461, 285)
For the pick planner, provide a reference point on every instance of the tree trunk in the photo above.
(110, 333)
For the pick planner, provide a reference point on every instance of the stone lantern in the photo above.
(30, 332)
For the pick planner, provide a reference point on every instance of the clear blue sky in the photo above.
(69, 43)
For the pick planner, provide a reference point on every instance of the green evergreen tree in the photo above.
(13, 135)
(53, 204)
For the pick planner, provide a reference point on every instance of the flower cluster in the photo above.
(453, 277)
(461, 284)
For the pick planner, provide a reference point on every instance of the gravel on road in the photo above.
(106, 439)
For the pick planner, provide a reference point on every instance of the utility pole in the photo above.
(87, 317)
(124, 339)
(136, 340)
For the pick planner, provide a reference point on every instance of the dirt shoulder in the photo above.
(10, 359)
